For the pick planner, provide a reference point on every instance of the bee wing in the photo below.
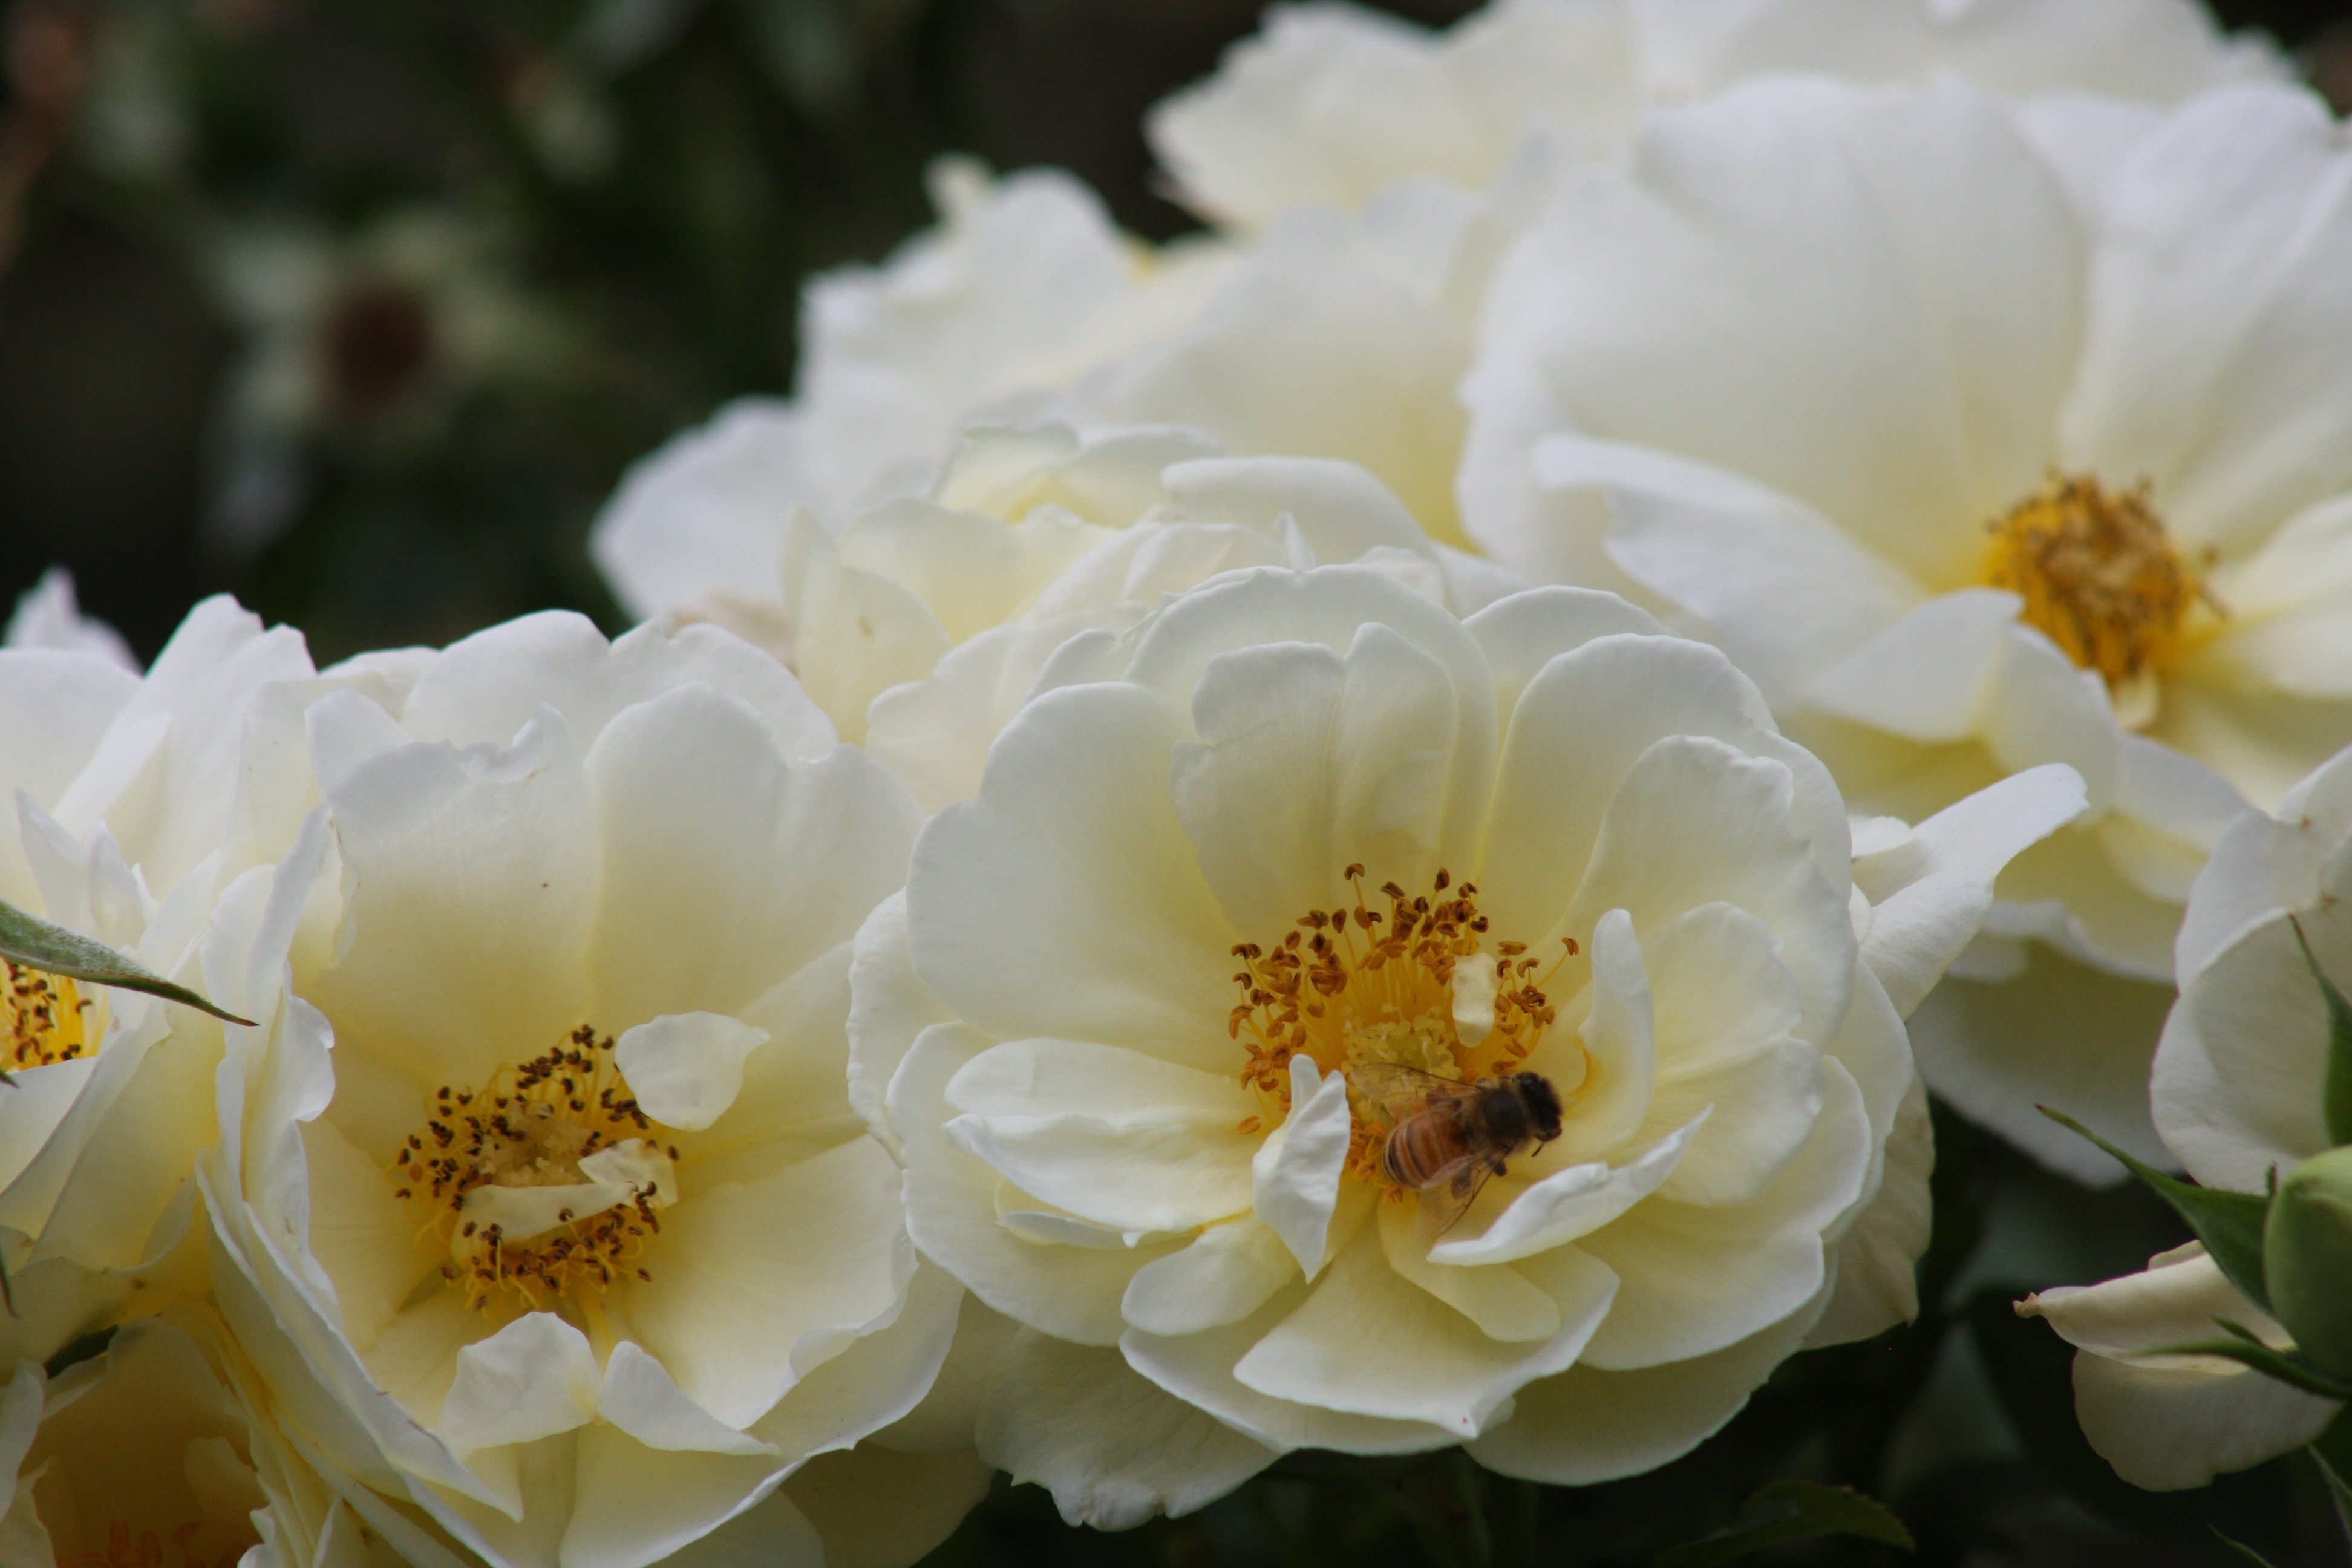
(1444, 1204)
(1399, 1091)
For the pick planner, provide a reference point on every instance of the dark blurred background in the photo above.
(357, 307)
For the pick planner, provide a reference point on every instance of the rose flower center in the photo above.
(2099, 575)
(1416, 985)
(545, 1183)
(41, 1019)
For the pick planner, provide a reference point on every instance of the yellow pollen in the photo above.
(2098, 574)
(1354, 986)
(42, 1015)
(532, 1126)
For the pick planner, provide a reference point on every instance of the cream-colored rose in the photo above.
(539, 1192)
(164, 1451)
(921, 627)
(1304, 843)
(1970, 480)
(138, 816)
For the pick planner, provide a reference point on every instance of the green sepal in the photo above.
(2289, 1367)
(2336, 1103)
(34, 943)
(2229, 1224)
(1802, 1512)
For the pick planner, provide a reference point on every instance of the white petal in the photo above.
(1786, 592)
(1694, 821)
(1198, 1368)
(2041, 708)
(1113, 1449)
(1500, 1301)
(1586, 1425)
(1569, 1203)
(1697, 1280)
(2167, 1429)
(1930, 893)
(685, 1069)
(1620, 1037)
(1314, 356)
(1225, 1275)
(1924, 678)
(889, 1006)
(950, 1199)
(878, 1379)
(698, 514)
(487, 686)
(702, 821)
(1295, 1172)
(1369, 1342)
(1306, 764)
(532, 1379)
(2062, 1035)
(2240, 1076)
(1005, 893)
(639, 1397)
(1126, 1141)
(1903, 383)
(477, 867)
(755, 1282)
(1876, 1282)
(1523, 631)
(633, 1505)
(2213, 360)
(1576, 729)
(1341, 509)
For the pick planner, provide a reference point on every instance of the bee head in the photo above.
(1542, 1101)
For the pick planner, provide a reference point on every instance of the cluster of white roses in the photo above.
(1647, 533)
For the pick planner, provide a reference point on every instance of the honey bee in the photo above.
(1446, 1137)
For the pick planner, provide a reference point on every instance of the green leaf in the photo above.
(35, 943)
(2288, 1366)
(1801, 1511)
(2337, 1102)
(2229, 1224)
(2240, 1550)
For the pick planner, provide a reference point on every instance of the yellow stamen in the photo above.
(531, 1127)
(2099, 575)
(1349, 986)
(41, 1018)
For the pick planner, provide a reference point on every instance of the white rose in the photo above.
(541, 1189)
(166, 1448)
(2239, 1088)
(1968, 484)
(139, 817)
(2165, 1420)
(920, 626)
(1025, 284)
(1380, 173)
(1125, 1025)
(1331, 105)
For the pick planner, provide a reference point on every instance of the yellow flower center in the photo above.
(518, 1182)
(41, 1015)
(1358, 985)
(2100, 575)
